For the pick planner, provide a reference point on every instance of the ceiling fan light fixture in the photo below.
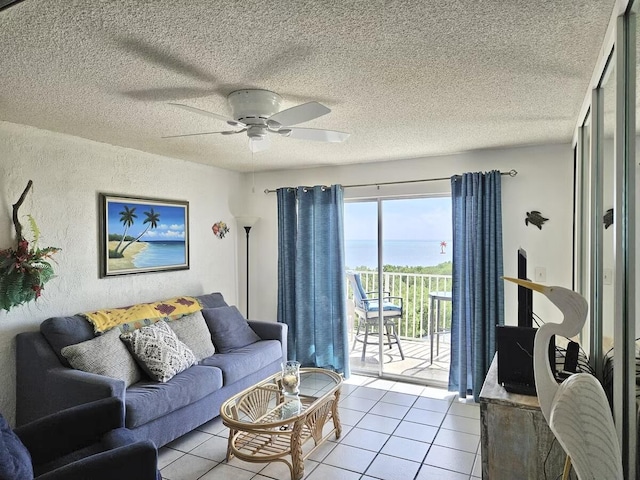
(257, 132)
(259, 144)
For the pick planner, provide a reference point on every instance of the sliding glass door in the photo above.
(400, 250)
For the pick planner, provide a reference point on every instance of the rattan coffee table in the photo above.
(266, 426)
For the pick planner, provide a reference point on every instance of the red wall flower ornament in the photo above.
(220, 229)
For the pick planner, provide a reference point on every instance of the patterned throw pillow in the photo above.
(193, 332)
(158, 351)
(104, 355)
(104, 320)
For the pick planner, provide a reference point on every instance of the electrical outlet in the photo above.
(607, 276)
(541, 274)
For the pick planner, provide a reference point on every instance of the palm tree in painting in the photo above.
(152, 220)
(127, 217)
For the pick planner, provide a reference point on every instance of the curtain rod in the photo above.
(511, 173)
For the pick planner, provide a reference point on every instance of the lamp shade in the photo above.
(247, 221)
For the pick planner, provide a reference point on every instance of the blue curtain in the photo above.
(287, 229)
(311, 276)
(478, 294)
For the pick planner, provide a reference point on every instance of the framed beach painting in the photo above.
(139, 235)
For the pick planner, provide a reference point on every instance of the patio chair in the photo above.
(367, 309)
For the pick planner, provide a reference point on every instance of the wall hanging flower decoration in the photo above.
(220, 229)
(25, 269)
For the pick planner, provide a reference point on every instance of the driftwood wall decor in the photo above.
(26, 268)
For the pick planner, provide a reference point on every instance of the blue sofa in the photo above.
(160, 412)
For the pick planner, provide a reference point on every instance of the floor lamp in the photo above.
(247, 223)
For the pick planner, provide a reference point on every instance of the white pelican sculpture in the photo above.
(577, 410)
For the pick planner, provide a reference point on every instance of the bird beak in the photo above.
(530, 285)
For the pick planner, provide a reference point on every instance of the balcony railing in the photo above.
(414, 289)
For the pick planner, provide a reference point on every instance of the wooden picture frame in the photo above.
(141, 235)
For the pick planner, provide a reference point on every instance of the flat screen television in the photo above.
(525, 296)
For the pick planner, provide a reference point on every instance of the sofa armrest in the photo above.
(271, 331)
(45, 386)
(72, 429)
(137, 461)
(85, 387)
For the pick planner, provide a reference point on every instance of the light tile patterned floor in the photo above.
(391, 431)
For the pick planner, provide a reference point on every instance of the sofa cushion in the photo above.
(212, 300)
(61, 332)
(15, 461)
(158, 351)
(145, 401)
(243, 361)
(107, 319)
(229, 329)
(104, 355)
(192, 330)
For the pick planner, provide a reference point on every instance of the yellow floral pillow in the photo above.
(173, 308)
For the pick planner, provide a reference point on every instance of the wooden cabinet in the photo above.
(516, 440)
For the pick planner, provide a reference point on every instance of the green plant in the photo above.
(25, 269)
(23, 273)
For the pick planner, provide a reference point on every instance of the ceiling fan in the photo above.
(257, 112)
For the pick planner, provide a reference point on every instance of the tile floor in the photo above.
(391, 431)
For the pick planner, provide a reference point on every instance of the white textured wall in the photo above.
(544, 182)
(68, 173)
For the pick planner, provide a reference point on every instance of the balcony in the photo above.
(417, 335)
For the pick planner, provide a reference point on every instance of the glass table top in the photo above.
(265, 405)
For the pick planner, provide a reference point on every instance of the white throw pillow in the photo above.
(192, 330)
(104, 355)
(158, 351)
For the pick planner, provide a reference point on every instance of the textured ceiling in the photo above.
(405, 78)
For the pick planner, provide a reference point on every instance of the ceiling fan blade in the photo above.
(233, 132)
(228, 132)
(298, 114)
(259, 145)
(230, 121)
(314, 134)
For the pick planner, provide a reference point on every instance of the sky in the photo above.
(171, 222)
(403, 219)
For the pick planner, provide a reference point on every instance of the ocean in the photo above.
(411, 253)
(159, 254)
